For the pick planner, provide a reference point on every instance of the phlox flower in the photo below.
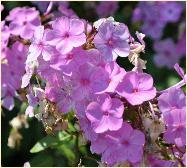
(23, 21)
(61, 97)
(116, 74)
(105, 114)
(17, 55)
(171, 11)
(166, 53)
(66, 34)
(181, 45)
(39, 46)
(184, 159)
(156, 162)
(35, 97)
(105, 9)
(87, 80)
(136, 88)
(7, 95)
(176, 127)
(111, 40)
(126, 144)
(171, 100)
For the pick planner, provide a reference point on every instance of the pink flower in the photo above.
(171, 100)
(156, 162)
(23, 21)
(126, 144)
(176, 129)
(166, 53)
(17, 55)
(116, 74)
(111, 40)
(105, 9)
(66, 34)
(39, 46)
(7, 95)
(61, 97)
(171, 11)
(88, 80)
(105, 114)
(136, 88)
(181, 45)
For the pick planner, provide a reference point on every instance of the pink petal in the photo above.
(76, 27)
(77, 40)
(8, 103)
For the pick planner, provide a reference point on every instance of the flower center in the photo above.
(12, 73)
(167, 53)
(19, 58)
(106, 113)
(126, 143)
(85, 82)
(66, 35)
(152, 22)
(69, 56)
(25, 22)
(135, 90)
(40, 44)
(110, 42)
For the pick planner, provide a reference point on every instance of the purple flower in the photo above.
(136, 88)
(62, 97)
(149, 13)
(172, 104)
(171, 11)
(105, 9)
(111, 40)
(105, 114)
(180, 71)
(65, 11)
(181, 45)
(137, 14)
(5, 34)
(87, 80)
(184, 159)
(14, 68)
(152, 27)
(34, 98)
(30, 69)
(116, 74)
(51, 75)
(166, 53)
(7, 95)
(171, 100)
(17, 55)
(39, 46)
(156, 162)
(23, 21)
(176, 129)
(126, 144)
(86, 127)
(66, 34)
(42, 6)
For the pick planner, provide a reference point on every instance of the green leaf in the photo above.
(71, 127)
(41, 160)
(50, 141)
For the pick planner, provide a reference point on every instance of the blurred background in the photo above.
(159, 54)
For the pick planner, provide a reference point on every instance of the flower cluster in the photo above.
(155, 17)
(69, 65)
